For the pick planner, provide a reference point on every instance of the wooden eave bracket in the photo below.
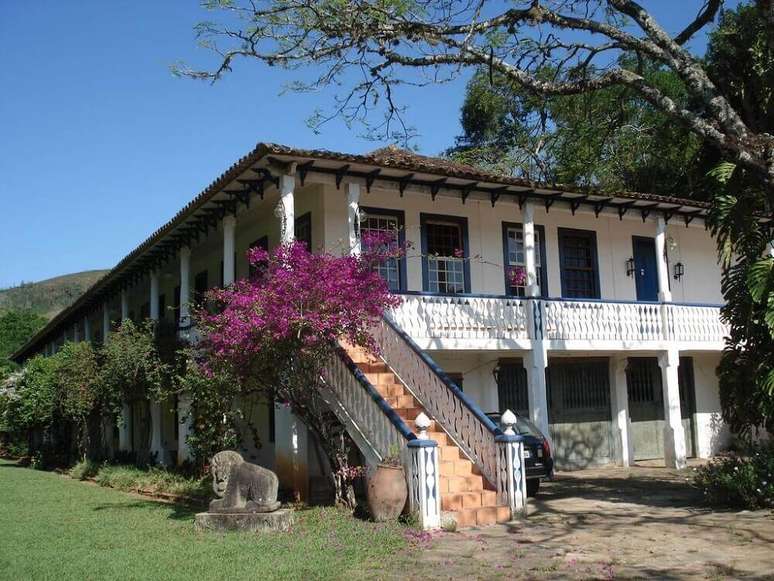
(404, 182)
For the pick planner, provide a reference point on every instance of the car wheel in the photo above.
(533, 485)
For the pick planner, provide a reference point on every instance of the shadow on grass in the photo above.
(175, 511)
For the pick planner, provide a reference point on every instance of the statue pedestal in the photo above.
(254, 522)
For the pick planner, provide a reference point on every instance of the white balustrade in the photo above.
(697, 323)
(631, 322)
(451, 317)
(373, 430)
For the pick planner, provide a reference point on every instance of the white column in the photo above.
(184, 428)
(125, 429)
(185, 286)
(105, 321)
(157, 445)
(353, 217)
(535, 363)
(76, 333)
(87, 328)
(620, 403)
(662, 269)
(286, 208)
(124, 304)
(154, 296)
(528, 214)
(229, 247)
(290, 450)
(674, 435)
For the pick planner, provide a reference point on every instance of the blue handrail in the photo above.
(458, 393)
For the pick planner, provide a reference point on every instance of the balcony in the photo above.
(504, 323)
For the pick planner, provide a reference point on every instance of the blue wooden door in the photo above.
(645, 276)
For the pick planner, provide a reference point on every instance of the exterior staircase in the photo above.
(466, 496)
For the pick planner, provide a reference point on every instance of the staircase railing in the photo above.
(462, 419)
(379, 432)
(376, 428)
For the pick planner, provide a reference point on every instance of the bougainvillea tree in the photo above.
(277, 331)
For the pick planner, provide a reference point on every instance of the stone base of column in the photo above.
(674, 447)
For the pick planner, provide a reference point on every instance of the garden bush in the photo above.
(744, 481)
(156, 480)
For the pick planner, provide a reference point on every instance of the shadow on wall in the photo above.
(581, 445)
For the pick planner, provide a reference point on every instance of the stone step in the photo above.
(441, 437)
(454, 484)
(450, 453)
(480, 517)
(464, 500)
(379, 378)
(373, 367)
(390, 390)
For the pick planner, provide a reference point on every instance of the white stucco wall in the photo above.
(711, 435)
(692, 246)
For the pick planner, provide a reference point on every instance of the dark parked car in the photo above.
(537, 452)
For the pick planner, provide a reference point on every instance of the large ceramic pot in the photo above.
(387, 492)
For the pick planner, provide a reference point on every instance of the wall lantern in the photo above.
(630, 267)
(679, 270)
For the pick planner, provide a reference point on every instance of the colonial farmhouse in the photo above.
(608, 343)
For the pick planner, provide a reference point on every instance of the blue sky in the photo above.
(100, 144)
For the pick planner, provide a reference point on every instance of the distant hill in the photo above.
(50, 296)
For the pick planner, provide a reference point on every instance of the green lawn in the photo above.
(52, 527)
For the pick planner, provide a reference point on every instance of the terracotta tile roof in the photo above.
(387, 158)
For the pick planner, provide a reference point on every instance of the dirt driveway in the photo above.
(611, 523)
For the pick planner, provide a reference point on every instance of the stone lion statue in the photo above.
(241, 486)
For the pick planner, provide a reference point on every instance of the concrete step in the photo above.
(480, 517)
(450, 453)
(390, 390)
(454, 484)
(383, 377)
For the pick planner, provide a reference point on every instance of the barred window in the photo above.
(372, 224)
(515, 257)
(445, 257)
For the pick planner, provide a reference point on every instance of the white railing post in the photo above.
(511, 472)
(424, 476)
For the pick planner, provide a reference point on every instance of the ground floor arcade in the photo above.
(602, 407)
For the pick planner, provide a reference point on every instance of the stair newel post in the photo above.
(511, 473)
(423, 474)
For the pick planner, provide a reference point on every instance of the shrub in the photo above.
(156, 480)
(83, 470)
(739, 481)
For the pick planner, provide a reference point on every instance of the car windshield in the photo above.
(524, 427)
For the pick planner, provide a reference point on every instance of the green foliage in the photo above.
(612, 139)
(745, 482)
(154, 480)
(131, 365)
(16, 327)
(214, 414)
(740, 60)
(84, 469)
(746, 370)
(33, 400)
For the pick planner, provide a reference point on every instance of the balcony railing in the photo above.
(435, 318)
